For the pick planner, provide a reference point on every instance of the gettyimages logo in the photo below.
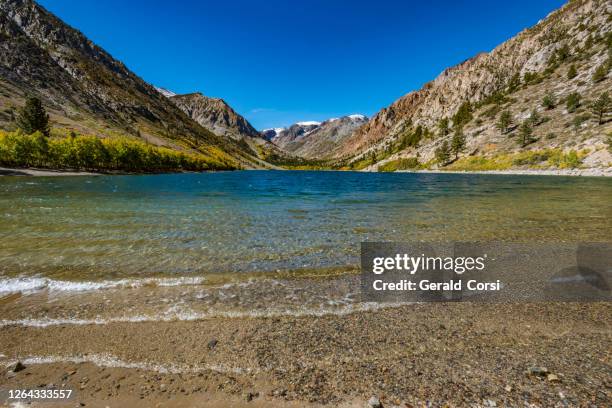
(489, 272)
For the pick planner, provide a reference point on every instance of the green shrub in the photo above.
(579, 120)
(400, 164)
(570, 160)
(492, 111)
(531, 78)
(572, 102)
(600, 73)
(548, 101)
(531, 158)
(463, 115)
(535, 119)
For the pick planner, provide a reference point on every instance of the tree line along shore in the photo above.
(32, 145)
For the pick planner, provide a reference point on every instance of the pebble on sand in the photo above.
(374, 402)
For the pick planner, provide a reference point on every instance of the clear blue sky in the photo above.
(278, 62)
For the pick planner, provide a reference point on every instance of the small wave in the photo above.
(28, 285)
(192, 316)
(110, 361)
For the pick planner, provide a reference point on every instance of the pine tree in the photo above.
(526, 132)
(443, 153)
(504, 122)
(535, 118)
(548, 101)
(458, 142)
(443, 126)
(463, 115)
(600, 73)
(33, 117)
(572, 72)
(563, 53)
(514, 82)
(572, 102)
(601, 106)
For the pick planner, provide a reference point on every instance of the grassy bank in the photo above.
(535, 159)
(95, 154)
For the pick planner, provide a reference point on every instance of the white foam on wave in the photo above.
(110, 361)
(188, 315)
(28, 285)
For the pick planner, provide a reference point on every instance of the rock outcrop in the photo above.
(215, 115)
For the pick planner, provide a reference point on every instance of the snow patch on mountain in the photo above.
(166, 92)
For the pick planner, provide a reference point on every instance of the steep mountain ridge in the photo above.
(87, 90)
(578, 31)
(215, 115)
(315, 140)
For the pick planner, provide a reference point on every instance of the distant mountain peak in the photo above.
(313, 139)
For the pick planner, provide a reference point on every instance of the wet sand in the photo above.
(5, 171)
(460, 354)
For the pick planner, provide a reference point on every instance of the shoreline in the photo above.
(39, 172)
(35, 172)
(515, 355)
(591, 172)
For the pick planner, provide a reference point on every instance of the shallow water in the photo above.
(117, 227)
(94, 250)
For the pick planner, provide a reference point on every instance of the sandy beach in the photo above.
(5, 171)
(537, 355)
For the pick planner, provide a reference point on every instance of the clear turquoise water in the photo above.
(109, 227)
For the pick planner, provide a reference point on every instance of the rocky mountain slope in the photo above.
(88, 91)
(569, 52)
(315, 140)
(215, 115)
